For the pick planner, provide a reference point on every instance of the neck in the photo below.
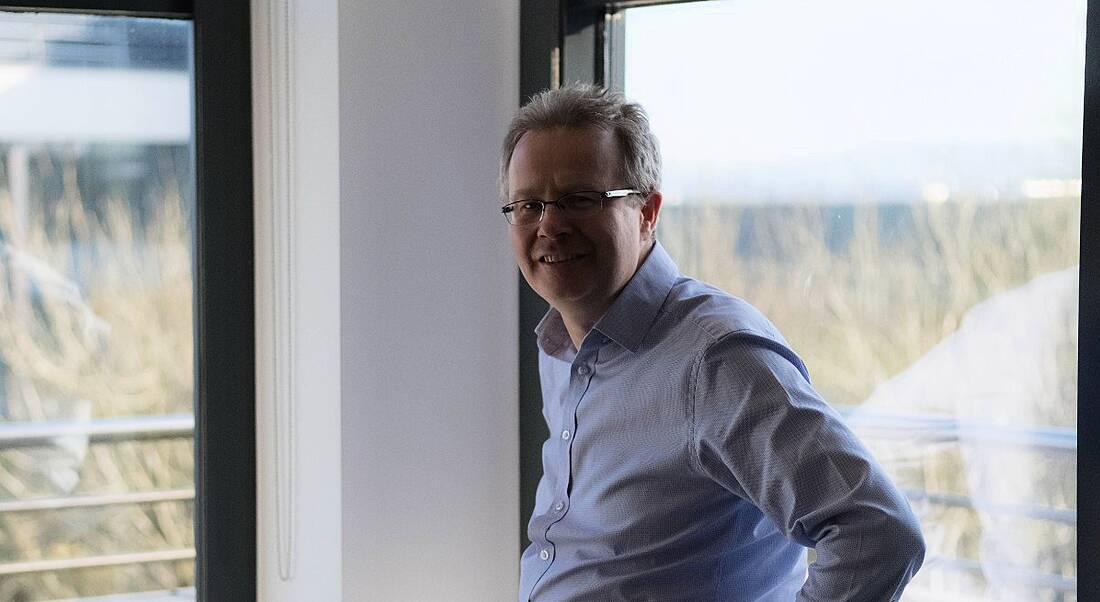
(578, 327)
(579, 322)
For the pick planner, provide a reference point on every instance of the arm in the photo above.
(761, 431)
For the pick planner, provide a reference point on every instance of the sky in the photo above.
(860, 99)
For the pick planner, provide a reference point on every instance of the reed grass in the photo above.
(123, 349)
(862, 292)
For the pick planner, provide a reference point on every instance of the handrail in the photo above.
(950, 428)
(92, 500)
(1055, 515)
(876, 422)
(15, 435)
(85, 562)
(939, 428)
(164, 595)
(100, 430)
(1013, 573)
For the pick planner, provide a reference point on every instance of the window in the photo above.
(117, 473)
(898, 187)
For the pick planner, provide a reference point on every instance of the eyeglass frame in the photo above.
(618, 193)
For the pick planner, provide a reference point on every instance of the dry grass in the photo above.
(864, 292)
(860, 292)
(126, 350)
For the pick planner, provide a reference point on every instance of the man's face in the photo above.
(579, 266)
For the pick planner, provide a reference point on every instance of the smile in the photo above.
(558, 258)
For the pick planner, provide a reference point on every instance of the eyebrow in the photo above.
(525, 195)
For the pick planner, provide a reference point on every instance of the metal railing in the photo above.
(100, 430)
(16, 435)
(870, 423)
(933, 428)
(923, 428)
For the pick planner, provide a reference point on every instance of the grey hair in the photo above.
(585, 105)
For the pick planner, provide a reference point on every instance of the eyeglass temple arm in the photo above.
(611, 194)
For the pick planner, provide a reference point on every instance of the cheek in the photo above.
(521, 246)
(626, 241)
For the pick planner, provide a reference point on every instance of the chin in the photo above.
(559, 298)
(575, 300)
(558, 295)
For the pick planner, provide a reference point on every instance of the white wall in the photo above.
(315, 206)
(406, 467)
(428, 301)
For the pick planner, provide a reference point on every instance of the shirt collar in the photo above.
(632, 313)
(551, 335)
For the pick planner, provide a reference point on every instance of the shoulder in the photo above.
(727, 327)
(715, 313)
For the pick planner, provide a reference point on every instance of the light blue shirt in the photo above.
(690, 459)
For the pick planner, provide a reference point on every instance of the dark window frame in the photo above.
(577, 28)
(540, 44)
(169, 9)
(224, 306)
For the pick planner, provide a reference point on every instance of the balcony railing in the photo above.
(871, 425)
(15, 435)
(923, 428)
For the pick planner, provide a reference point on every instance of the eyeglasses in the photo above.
(574, 205)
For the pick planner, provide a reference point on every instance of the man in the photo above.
(688, 458)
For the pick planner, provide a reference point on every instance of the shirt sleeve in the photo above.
(762, 432)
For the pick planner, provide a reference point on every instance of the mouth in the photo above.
(559, 258)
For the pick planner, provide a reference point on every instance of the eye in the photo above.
(528, 207)
(577, 202)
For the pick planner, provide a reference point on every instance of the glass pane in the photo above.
(97, 199)
(897, 185)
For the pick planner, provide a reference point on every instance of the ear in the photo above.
(650, 212)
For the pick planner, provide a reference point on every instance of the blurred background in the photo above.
(97, 199)
(898, 187)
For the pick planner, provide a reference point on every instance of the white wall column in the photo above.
(386, 298)
(296, 155)
(429, 419)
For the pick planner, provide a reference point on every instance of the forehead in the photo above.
(563, 158)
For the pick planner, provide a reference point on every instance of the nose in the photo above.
(553, 223)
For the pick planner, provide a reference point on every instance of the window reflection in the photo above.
(897, 185)
(96, 374)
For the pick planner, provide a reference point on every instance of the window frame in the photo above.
(563, 41)
(224, 298)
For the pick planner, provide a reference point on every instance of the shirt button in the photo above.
(566, 435)
(545, 554)
(559, 506)
(582, 370)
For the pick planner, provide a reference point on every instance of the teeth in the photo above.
(558, 258)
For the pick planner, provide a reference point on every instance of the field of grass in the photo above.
(862, 293)
(124, 349)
